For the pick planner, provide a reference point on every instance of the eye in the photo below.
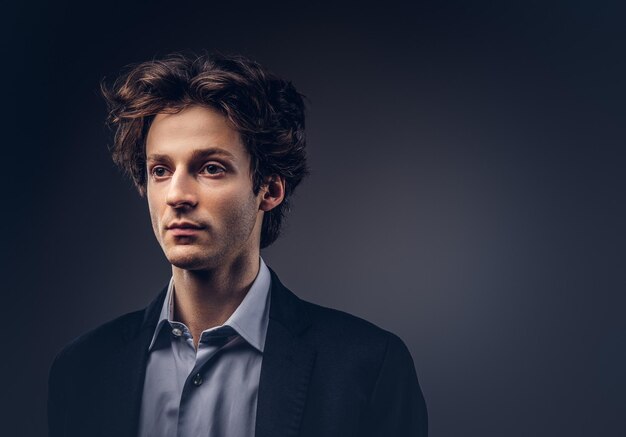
(158, 171)
(213, 169)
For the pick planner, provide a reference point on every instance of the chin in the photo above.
(190, 259)
(188, 264)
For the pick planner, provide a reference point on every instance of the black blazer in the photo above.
(325, 373)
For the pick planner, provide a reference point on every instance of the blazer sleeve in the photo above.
(397, 407)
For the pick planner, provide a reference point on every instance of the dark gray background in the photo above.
(467, 192)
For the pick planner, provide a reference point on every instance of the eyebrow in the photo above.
(196, 155)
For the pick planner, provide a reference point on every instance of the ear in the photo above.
(272, 192)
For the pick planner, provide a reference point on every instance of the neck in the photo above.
(207, 298)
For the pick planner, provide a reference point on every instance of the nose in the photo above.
(181, 191)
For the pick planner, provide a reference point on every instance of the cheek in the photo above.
(238, 209)
(154, 214)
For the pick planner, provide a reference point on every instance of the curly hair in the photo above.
(268, 113)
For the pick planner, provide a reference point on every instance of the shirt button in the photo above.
(197, 380)
(177, 332)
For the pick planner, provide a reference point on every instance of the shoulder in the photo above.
(365, 370)
(327, 321)
(332, 332)
(360, 360)
(353, 337)
(108, 339)
(103, 341)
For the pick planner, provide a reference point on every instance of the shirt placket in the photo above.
(195, 365)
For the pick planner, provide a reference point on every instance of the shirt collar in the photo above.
(250, 319)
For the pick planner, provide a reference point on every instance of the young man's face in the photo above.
(203, 210)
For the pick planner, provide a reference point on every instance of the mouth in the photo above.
(183, 232)
(184, 229)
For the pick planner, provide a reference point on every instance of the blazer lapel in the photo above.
(286, 368)
(123, 383)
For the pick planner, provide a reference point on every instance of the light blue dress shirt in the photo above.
(211, 391)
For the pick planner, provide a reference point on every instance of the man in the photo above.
(217, 146)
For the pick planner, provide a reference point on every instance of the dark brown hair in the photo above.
(267, 112)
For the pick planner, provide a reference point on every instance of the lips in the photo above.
(184, 228)
(184, 225)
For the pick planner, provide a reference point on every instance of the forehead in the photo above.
(194, 128)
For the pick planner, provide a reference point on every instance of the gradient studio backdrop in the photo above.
(467, 192)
